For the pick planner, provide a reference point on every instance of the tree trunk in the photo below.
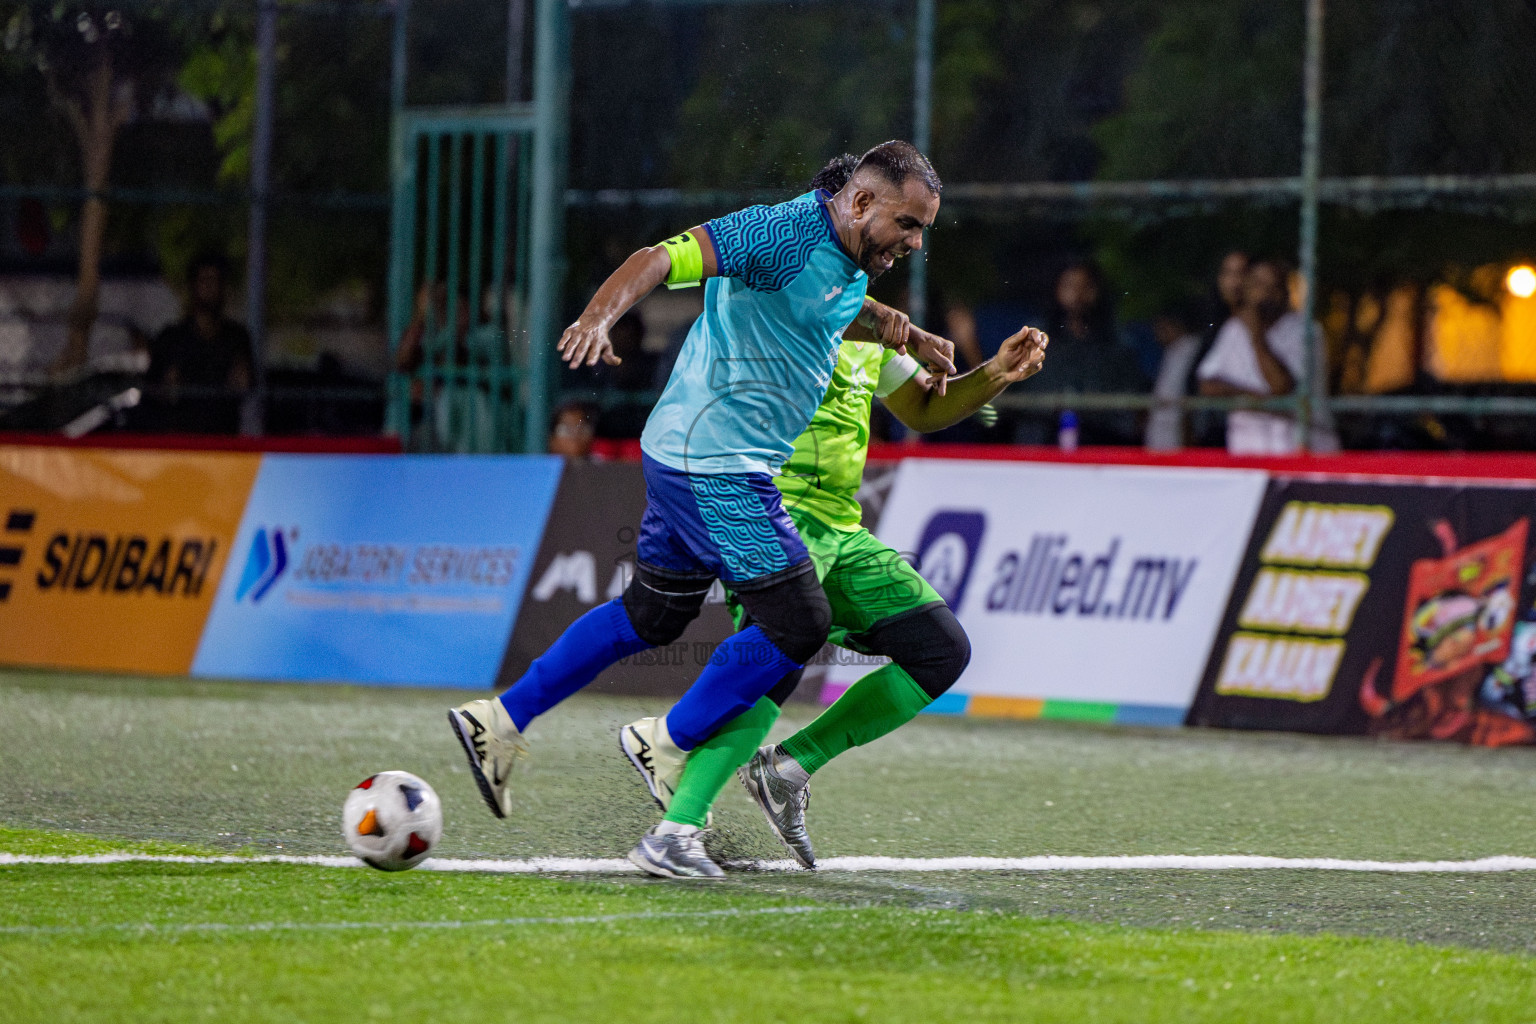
(96, 121)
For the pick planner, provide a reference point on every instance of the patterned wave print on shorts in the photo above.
(766, 247)
(738, 524)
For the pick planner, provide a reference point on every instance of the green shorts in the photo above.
(866, 581)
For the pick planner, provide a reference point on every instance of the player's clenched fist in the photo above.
(895, 330)
(1023, 354)
(584, 343)
(891, 326)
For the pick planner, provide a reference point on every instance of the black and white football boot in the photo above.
(493, 745)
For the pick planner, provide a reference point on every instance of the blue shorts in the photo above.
(730, 525)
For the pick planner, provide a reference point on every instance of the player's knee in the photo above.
(950, 658)
(930, 646)
(793, 613)
(660, 606)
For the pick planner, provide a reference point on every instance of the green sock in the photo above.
(712, 762)
(873, 706)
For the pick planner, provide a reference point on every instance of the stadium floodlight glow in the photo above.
(1521, 281)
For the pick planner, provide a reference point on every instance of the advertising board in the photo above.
(586, 558)
(1404, 610)
(379, 569)
(1090, 592)
(109, 559)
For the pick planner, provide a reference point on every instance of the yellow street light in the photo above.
(1521, 282)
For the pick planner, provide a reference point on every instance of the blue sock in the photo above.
(744, 668)
(589, 645)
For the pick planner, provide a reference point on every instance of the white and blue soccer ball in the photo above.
(392, 821)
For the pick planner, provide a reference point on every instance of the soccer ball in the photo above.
(392, 820)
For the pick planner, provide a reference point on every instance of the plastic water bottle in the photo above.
(1066, 431)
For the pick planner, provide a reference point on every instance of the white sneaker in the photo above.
(678, 854)
(660, 763)
(493, 746)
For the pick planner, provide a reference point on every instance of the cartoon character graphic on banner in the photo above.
(1459, 663)
(1510, 688)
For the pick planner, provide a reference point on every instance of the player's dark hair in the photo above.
(835, 174)
(898, 162)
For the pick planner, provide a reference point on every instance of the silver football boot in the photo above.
(782, 802)
(674, 855)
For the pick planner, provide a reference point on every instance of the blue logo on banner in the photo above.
(265, 563)
(387, 568)
(947, 550)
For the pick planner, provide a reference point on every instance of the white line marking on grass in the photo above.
(586, 865)
(1176, 862)
(222, 927)
(530, 866)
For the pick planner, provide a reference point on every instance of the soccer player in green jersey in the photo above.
(880, 605)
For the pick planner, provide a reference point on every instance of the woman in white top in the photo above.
(1258, 352)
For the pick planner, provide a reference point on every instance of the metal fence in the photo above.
(493, 388)
(39, 399)
(1308, 190)
(460, 226)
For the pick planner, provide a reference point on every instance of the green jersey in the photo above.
(823, 473)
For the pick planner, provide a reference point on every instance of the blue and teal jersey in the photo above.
(758, 361)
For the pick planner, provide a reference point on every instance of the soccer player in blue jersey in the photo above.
(880, 604)
(783, 286)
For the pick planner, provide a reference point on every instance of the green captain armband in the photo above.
(687, 260)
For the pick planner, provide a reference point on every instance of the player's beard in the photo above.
(870, 253)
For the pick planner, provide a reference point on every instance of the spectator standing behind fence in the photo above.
(1207, 427)
(200, 366)
(1181, 349)
(426, 338)
(427, 341)
(1258, 353)
(571, 430)
(960, 327)
(1086, 356)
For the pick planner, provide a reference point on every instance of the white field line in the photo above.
(583, 865)
(221, 927)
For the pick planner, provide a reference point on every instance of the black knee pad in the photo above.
(784, 687)
(792, 610)
(928, 643)
(660, 604)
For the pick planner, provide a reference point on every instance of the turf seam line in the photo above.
(216, 927)
(583, 865)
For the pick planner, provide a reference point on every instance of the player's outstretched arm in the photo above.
(893, 329)
(920, 407)
(680, 260)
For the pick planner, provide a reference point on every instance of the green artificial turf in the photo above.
(259, 942)
(267, 766)
(96, 764)
(38, 843)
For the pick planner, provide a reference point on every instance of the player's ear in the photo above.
(863, 200)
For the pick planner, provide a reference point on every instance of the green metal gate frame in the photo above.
(460, 228)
